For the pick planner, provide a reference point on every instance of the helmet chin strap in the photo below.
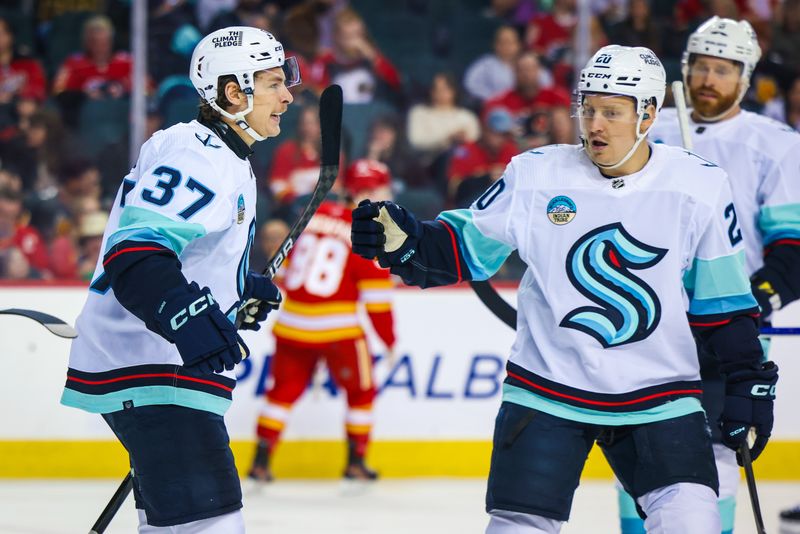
(626, 157)
(239, 119)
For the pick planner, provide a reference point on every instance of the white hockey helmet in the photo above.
(240, 51)
(727, 39)
(632, 71)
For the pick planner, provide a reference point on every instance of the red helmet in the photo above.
(366, 174)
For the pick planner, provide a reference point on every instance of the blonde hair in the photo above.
(97, 22)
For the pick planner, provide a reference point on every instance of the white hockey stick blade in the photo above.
(53, 324)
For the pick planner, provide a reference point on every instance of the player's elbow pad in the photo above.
(735, 344)
(140, 275)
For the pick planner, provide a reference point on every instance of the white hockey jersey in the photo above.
(613, 263)
(191, 193)
(762, 159)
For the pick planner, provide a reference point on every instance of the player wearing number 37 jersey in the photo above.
(325, 283)
(156, 342)
(619, 236)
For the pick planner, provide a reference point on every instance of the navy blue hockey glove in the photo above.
(190, 318)
(385, 231)
(261, 297)
(749, 400)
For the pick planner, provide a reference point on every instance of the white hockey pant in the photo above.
(230, 523)
(683, 508)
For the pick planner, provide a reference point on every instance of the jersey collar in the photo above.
(621, 185)
(713, 128)
(229, 137)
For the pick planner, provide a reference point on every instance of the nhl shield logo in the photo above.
(561, 210)
(240, 210)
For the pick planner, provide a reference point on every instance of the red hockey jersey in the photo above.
(324, 282)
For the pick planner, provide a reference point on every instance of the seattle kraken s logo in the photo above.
(599, 265)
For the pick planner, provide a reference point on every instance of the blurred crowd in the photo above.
(444, 92)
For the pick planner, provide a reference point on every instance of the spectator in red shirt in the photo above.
(474, 166)
(98, 71)
(22, 83)
(552, 35)
(356, 64)
(15, 233)
(543, 113)
(296, 162)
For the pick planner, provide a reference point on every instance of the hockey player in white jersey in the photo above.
(619, 235)
(157, 342)
(762, 158)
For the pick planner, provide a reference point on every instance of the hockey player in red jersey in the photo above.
(324, 282)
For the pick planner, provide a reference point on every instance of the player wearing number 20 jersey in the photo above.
(619, 236)
(324, 284)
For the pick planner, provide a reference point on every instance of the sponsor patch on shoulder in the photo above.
(561, 210)
(240, 210)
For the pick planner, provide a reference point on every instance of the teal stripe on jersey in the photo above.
(719, 285)
(668, 410)
(137, 234)
(139, 224)
(780, 222)
(145, 396)
(721, 277)
(722, 305)
(483, 255)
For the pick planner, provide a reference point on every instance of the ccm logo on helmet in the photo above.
(180, 318)
(598, 75)
(762, 390)
(233, 38)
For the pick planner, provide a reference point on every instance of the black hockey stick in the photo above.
(113, 505)
(496, 304)
(53, 324)
(747, 463)
(330, 120)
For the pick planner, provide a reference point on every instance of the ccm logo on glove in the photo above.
(762, 390)
(192, 310)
